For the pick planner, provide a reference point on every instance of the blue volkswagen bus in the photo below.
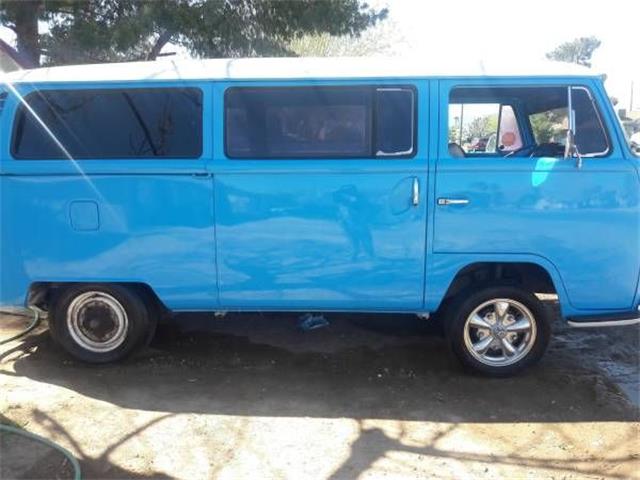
(129, 191)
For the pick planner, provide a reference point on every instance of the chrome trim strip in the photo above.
(609, 323)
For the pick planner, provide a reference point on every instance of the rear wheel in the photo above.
(99, 323)
(498, 331)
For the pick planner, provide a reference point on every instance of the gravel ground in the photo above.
(253, 396)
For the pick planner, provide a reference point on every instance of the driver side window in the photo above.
(523, 121)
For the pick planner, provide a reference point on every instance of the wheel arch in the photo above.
(533, 275)
(43, 294)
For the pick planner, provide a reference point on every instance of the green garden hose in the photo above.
(74, 462)
(34, 323)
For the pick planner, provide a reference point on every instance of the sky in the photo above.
(503, 30)
(499, 30)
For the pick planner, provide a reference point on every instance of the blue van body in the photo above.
(358, 234)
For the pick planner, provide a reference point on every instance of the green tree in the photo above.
(120, 30)
(577, 51)
(381, 39)
(480, 127)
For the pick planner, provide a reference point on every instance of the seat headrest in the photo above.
(456, 151)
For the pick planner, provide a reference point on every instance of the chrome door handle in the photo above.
(415, 195)
(452, 201)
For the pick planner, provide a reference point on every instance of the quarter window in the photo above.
(394, 121)
(591, 139)
(110, 123)
(319, 122)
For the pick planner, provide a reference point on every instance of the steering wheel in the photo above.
(543, 150)
(525, 151)
(553, 149)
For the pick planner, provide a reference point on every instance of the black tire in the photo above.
(155, 312)
(460, 309)
(133, 333)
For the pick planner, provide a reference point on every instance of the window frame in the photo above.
(372, 121)
(20, 114)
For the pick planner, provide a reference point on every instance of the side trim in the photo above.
(611, 320)
(611, 323)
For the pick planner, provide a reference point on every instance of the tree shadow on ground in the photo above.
(374, 444)
(26, 458)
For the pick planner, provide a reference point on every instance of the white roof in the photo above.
(287, 68)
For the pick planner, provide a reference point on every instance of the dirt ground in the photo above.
(254, 396)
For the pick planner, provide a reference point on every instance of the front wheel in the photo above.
(498, 331)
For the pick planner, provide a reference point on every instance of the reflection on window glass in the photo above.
(111, 123)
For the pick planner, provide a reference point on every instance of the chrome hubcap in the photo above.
(500, 332)
(97, 321)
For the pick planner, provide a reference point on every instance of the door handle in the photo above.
(415, 192)
(452, 201)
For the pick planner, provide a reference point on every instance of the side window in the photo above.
(523, 121)
(319, 122)
(110, 123)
